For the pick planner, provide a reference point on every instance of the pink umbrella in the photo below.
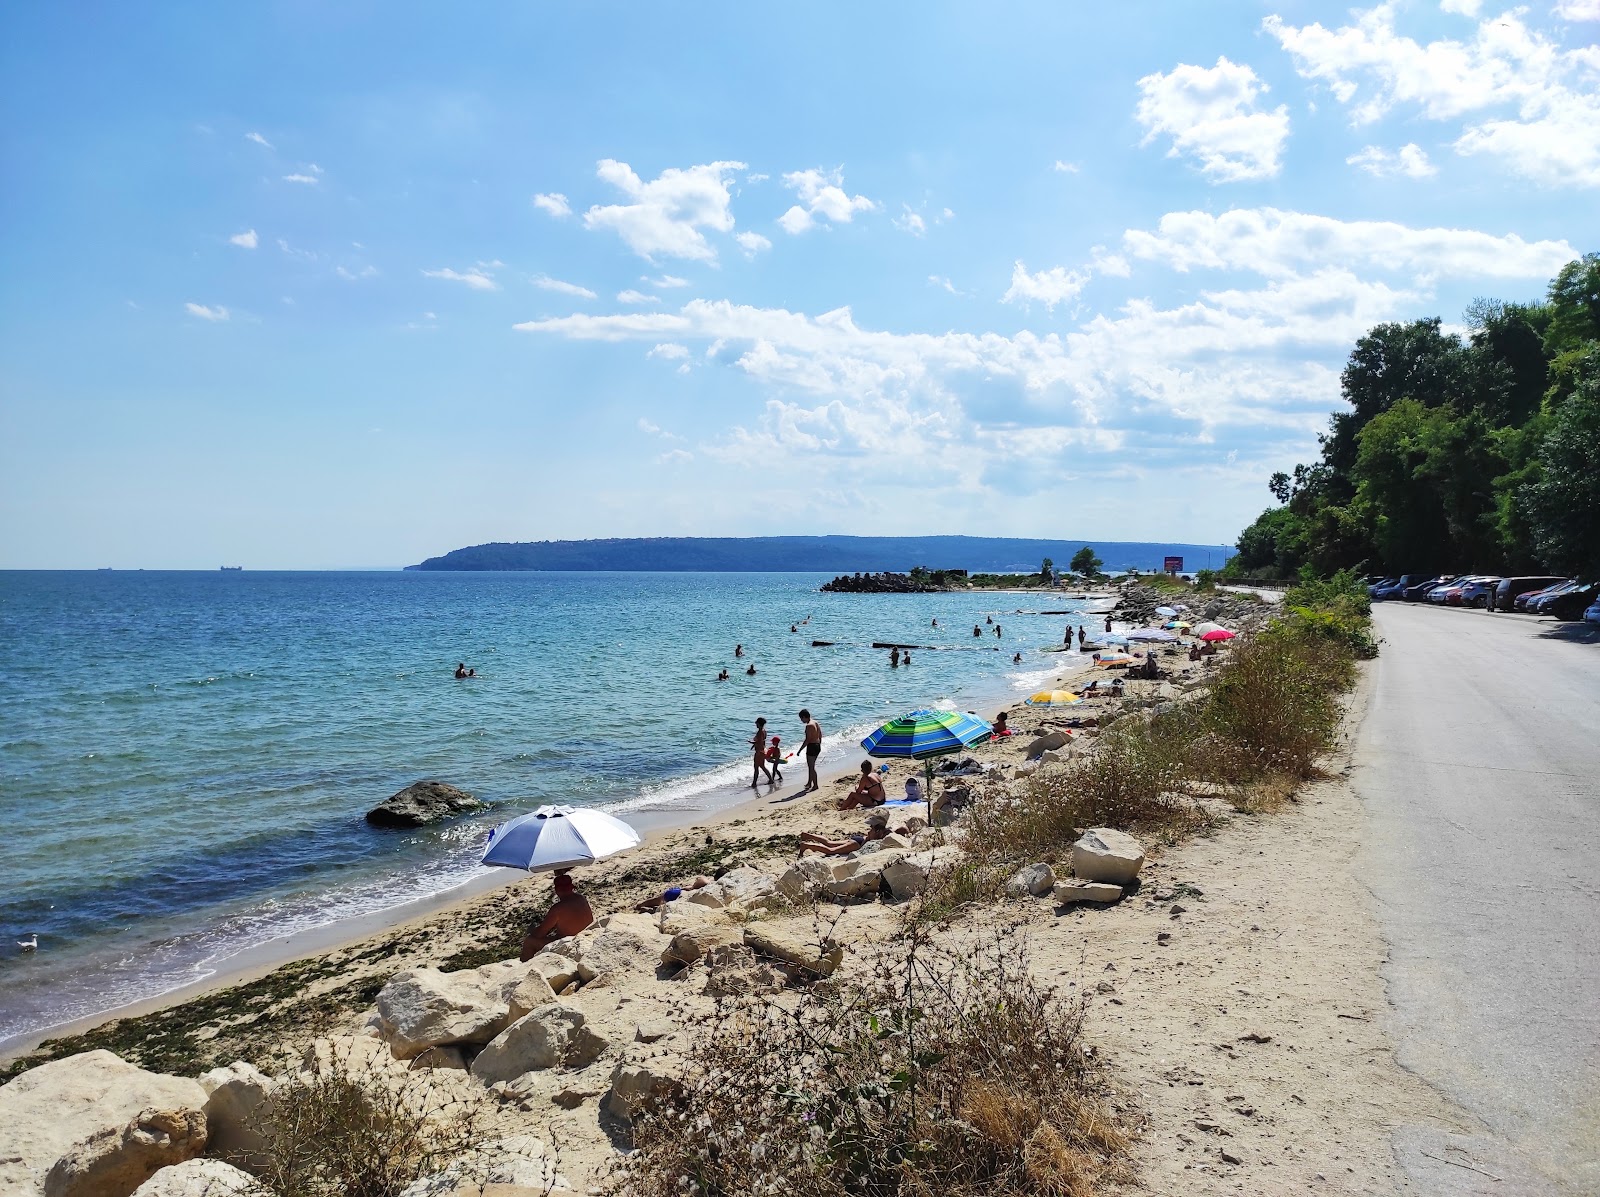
(1219, 634)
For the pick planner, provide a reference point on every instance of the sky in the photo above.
(297, 285)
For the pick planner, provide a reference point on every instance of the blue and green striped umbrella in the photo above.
(923, 734)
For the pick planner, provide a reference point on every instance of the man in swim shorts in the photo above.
(813, 749)
(570, 915)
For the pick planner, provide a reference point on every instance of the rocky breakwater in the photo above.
(1137, 605)
(884, 583)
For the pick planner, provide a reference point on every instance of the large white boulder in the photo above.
(690, 945)
(559, 969)
(233, 1107)
(641, 1078)
(1103, 854)
(201, 1178)
(526, 993)
(1035, 880)
(48, 1109)
(747, 886)
(909, 875)
(794, 947)
(553, 1036)
(805, 877)
(114, 1161)
(423, 1007)
(627, 945)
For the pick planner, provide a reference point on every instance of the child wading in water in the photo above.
(775, 760)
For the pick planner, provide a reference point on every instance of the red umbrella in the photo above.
(1219, 634)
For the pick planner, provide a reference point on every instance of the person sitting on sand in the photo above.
(570, 915)
(913, 790)
(672, 894)
(461, 670)
(868, 791)
(1000, 726)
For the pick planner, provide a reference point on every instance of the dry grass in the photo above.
(939, 1074)
(351, 1130)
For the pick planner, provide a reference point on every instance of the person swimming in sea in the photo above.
(738, 650)
(723, 676)
(751, 672)
(461, 670)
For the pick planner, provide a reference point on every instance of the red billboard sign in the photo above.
(1173, 565)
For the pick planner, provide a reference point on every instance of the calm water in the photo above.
(185, 758)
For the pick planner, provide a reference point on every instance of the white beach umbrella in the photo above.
(557, 837)
(1200, 629)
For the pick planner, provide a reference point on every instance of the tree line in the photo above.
(1477, 454)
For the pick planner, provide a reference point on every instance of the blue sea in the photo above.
(186, 758)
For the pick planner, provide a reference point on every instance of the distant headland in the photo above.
(815, 554)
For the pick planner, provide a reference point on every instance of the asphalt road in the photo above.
(1478, 765)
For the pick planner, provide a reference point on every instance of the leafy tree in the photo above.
(1047, 569)
(1085, 562)
(1575, 305)
(1563, 506)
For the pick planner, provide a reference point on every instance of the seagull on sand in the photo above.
(29, 944)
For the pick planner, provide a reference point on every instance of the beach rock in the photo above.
(1067, 893)
(794, 947)
(354, 1055)
(557, 968)
(1035, 880)
(440, 1059)
(1103, 854)
(1037, 747)
(553, 1036)
(423, 1008)
(910, 874)
(507, 1167)
(201, 1178)
(48, 1109)
(421, 803)
(685, 916)
(640, 1079)
(627, 945)
(688, 946)
(527, 993)
(861, 882)
(894, 840)
(233, 1104)
(710, 896)
(114, 1161)
(804, 878)
(747, 886)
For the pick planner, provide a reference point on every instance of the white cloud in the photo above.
(476, 278)
(944, 284)
(674, 456)
(1462, 8)
(1066, 168)
(245, 240)
(554, 203)
(301, 178)
(665, 282)
(1049, 287)
(214, 314)
(352, 275)
(667, 214)
(752, 243)
(1550, 127)
(1277, 244)
(1212, 116)
(1410, 160)
(545, 283)
(1105, 262)
(1578, 10)
(259, 140)
(911, 222)
(822, 196)
(632, 296)
(670, 351)
(305, 255)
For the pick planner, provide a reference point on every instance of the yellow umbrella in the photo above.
(1053, 698)
(1181, 624)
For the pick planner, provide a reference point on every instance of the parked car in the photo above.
(1573, 603)
(1592, 612)
(1526, 600)
(1419, 592)
(1476, 593)
(1392, 588)
(1509, 588)
(1451, 590)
